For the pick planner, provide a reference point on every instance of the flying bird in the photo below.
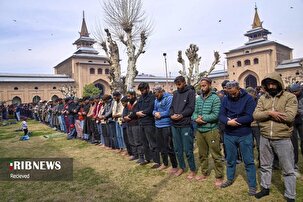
(291, 7)
(15, 20)
(180, 29)
(29, 49)
(219, 20)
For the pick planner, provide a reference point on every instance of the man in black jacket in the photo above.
(182, 108)
(144, 111)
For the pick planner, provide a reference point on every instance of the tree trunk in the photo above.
(131, 63)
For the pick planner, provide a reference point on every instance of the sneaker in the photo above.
(191, 175)
(218, 182)
(252, 191)
(226, 184)
(262, 193)
(201, 177)
(156, 165)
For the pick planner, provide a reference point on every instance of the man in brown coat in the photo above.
(275, 112)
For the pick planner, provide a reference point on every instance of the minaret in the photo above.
(85, 43)
(257, 33)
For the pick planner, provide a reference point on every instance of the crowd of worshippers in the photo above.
(159, 127)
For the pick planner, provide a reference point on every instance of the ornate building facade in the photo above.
(249, 63)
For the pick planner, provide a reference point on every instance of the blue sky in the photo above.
(36, 35)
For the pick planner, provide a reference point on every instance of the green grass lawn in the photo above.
(103, 175)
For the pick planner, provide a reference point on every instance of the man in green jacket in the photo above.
(206, 115)
(275, 112)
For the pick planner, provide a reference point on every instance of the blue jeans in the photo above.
(62, 123)
(184, 142)
(246, 148)
(119, 135)
(99, 127)
(18, 116)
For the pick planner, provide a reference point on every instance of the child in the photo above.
(25, 130)
(24, 126)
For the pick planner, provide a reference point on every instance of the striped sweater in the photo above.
(208, 108)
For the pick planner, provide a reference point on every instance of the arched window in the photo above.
(106, 71)
(250, 81)
(92, 71)
(16, 100)
(36, 88)
(54, 97)
(100, 71)
(54, 87)
(247, 62)
(36, 99)
(16, 88)
(256, 61)
(239, 64)
(101, 87)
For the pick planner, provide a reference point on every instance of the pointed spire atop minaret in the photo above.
(257, 22)
(84, 31)
(257, 33)
(85, 43)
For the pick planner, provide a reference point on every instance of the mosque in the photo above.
(247, 64)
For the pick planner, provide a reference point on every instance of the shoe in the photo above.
(262, 193)
(156, 165)
(226, 184)
(140, 160)
(218, 182)
(179, 172)
(144, 162)
(201, 177)
(252, 191)
(191, 175)
(289, 199)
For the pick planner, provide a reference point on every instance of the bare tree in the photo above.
(193, 75)
(111, 50)
(68, 91)
(127, 21)
(297, 78)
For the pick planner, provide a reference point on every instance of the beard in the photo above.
(234, 98)
(132, 100)
(273, 92)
